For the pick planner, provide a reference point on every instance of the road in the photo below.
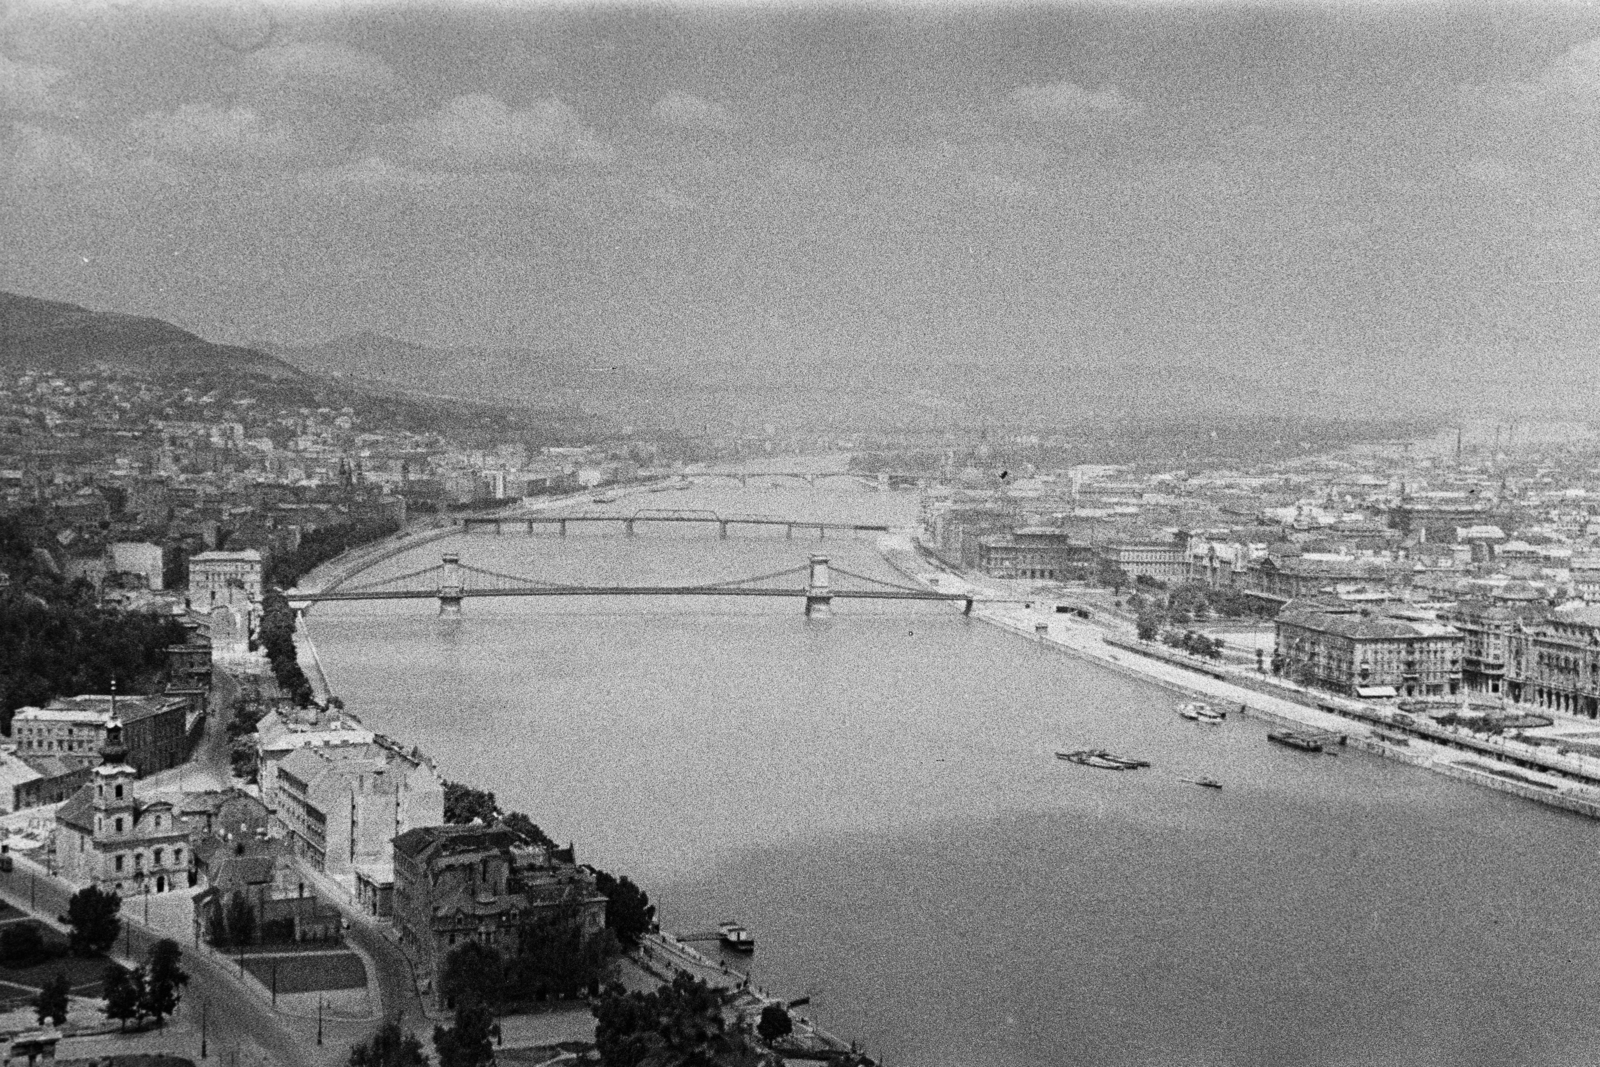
(234, 1014)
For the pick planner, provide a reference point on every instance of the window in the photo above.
(119, 790)
(119, 825)
(155, 858)
(117, 863)
(177, 855)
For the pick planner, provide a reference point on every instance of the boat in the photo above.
(736, 937)
(1099, 757)
(604, 498)
(1195, 711)
(1293, 740)
(1208, 783)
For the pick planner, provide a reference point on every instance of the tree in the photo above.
(473, 972)
(470, 1042)
(92, 914)
(462, 804)
(51, 1003)
(679, 1023)
(775, 1023)
(526, 828)
(241, 920)
(389, 1047)
(1148, 627)
(166, 979)
(629, 913)
(20, 944)
(124, 993)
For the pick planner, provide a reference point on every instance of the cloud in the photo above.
(1069, 102)
(205, 132)
(686, 111)
(371, 174)
(316, 76)
(32, 154)
(1569, 84)
(479, 129)
(27, 88)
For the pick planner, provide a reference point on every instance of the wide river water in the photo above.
(876, 796)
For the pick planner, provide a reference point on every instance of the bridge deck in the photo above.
(557, 520)
(628, 590)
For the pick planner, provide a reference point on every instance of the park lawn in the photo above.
(309, 973)
(84, 972)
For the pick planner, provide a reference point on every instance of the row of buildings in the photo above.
(1513, 645)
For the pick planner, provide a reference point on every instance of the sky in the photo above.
(1353, 204)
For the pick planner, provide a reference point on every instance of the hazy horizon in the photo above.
(1385, 207)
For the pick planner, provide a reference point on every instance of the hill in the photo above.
(49, 336)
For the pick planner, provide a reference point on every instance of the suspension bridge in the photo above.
(451, 582)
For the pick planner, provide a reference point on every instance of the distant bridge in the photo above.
(451, 582)
(630, 523)
(881, 479)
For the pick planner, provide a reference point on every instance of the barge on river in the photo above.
(1290, 739)
(1099, 757)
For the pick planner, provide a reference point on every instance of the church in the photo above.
(106, 837)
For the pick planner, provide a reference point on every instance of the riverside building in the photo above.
(1363, 652)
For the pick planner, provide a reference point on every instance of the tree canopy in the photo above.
(165, 981)
(678, 1024)
(51, 1003)
(92, 913)
(390, 1046)
(469, 1042)
(629, 913)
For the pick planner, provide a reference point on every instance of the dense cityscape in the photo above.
(745, 536)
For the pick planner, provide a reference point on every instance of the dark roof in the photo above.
(78, 812)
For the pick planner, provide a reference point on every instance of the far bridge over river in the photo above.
(630, 523)
(451, 582)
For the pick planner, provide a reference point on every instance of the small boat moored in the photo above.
(1208, 783)
(737, 937)
(1195, 711)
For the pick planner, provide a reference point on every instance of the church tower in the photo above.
(114, 808)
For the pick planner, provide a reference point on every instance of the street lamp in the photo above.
(319, 1019)
(203, 1006)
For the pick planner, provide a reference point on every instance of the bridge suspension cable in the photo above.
(514, 579)
(758, 578)
(878, 581)
(367, 587)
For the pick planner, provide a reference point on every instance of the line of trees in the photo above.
(323, 544)
(150, 990)
(277, 641)
(55, 639)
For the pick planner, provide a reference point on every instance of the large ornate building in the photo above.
(454, 884)
(1365, 652)
(107, 837)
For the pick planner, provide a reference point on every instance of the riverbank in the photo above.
(1538, 770)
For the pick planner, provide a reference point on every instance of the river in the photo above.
(876, 796)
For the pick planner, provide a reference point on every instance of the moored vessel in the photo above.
(736, 937)
(1196, 711)
(1099, 757)
(1291, 739)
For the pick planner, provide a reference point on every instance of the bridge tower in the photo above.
(819, 597)
(450, 586)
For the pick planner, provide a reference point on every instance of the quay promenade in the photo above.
(1541, 773)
